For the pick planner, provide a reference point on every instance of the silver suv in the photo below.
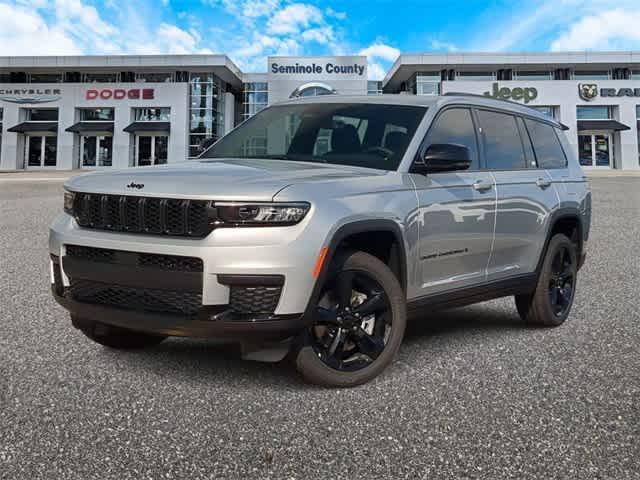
(317, 226)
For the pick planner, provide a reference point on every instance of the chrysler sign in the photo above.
(120, 94)
(30, 95)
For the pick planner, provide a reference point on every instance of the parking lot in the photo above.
(473, 394)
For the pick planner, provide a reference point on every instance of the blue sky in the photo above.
(249, 31)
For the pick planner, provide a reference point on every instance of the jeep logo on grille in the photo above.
(136, 185)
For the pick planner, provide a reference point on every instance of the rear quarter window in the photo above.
(546, 145)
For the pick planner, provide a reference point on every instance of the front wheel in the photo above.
(357, 326)
(551, 302)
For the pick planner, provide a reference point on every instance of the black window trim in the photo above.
(423, 144)
(480, 145)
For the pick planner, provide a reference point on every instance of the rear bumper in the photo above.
(264, 329)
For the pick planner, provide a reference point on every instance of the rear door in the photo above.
(525, 196)
(457, 211)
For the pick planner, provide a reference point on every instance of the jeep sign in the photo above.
(525, 94)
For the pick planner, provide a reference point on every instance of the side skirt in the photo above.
(520, 284)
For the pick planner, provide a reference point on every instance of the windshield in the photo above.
(358, 134)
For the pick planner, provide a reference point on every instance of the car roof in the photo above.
(427, 102)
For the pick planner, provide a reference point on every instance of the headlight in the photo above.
(256, 214)
(68, 202)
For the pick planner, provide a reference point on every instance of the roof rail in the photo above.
(479, 95)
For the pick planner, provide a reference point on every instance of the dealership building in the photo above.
(118, 111)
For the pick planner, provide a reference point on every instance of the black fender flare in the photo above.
(557, 215)
(344, 231)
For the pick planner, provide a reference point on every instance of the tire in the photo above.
(387, 327)
(538, 308)
(119, 338)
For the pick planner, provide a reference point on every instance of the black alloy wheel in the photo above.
(352, 323)
(357, 325)
(561, 282)
(550, 303)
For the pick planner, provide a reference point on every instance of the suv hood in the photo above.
(230, 179)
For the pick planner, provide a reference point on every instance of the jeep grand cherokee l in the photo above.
(315, 227)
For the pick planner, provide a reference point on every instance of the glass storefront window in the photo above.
(153, 114)
(591, 75)
(594, 112)
(469, 76)
(374, 87)
(425, 83)
(100, 77)
(154, 77)
(532, 75)
(96, 151)
(41, 151)
(42, 115)
(206, 112)
(254, 98)
(45, 77)
(549, 110)
(96, 114)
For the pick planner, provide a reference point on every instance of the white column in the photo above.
(229, 112)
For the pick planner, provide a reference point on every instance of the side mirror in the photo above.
(444, 157)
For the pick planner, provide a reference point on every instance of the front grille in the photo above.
(136, 298)
(247, 300)
(160, 261)
(158, 216)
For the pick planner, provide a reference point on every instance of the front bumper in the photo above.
(270, 329)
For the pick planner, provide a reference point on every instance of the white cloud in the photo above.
(443, 46)
(381, 50)
(28, 34)
(606, 30)
(332, 13)
(260, 8)
(376, 52)
(292, 18)
(321, 35)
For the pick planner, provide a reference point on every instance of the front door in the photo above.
(41, 151)
(457, 212)
(595, 150)
(96, 151)
(151, 150)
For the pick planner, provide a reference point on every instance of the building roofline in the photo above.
(186, 62)
(510, 58)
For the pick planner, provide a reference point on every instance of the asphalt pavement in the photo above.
(473, 393)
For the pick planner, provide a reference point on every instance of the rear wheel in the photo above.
(115, 337)
(358, 323)
(552, 299)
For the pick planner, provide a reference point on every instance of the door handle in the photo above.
(543, 182)
(481, 185)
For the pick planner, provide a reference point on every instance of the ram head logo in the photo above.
(588, 91)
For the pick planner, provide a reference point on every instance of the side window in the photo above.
(502, 144)
(546, 144)
(526, 143)
(456, 126)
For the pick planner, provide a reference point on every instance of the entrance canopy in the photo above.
(91, 127)
(148, 127)
(28, 127)
(610, 125)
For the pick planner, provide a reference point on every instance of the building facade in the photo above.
(595, 94)
(120, 111)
